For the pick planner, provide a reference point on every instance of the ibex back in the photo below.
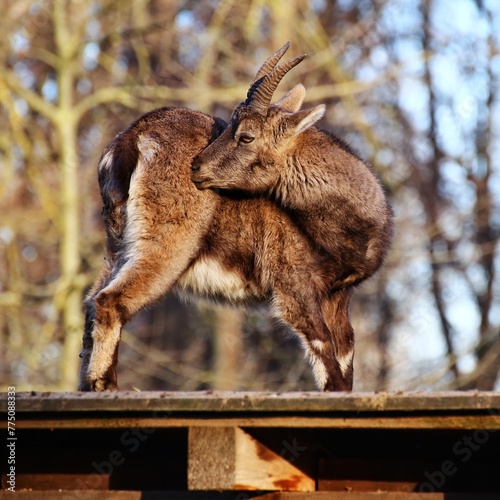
(163, 234)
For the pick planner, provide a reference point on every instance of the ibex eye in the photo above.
(246, 139)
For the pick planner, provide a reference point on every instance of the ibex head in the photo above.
(249, 153)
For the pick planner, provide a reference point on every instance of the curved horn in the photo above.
(271, 62)
(261, 92)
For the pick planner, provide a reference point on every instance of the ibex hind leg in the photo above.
(335, 310)
(305, 317)
(137, 284)
(89, 306)
(115, 223)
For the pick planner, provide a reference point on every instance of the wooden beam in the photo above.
(73, 495)
(361, 475)
(225, 401)
(77, 421)
(228, 458)
(61, 480)
(378, 495)
(143, 495)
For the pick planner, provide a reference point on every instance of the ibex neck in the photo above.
(301, 183)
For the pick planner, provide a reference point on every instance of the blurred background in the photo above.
(412, 85)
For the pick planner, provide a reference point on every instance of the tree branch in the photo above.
(105, 95)
(34, 101)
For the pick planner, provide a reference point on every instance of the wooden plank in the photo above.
(450, 422)
(361, 474)
(373, 474)
(219, 401)
(126, 495)
(157, 495)
(228, 458)
(379, 495)
(408, 475)
(61, 480)
(73, 495)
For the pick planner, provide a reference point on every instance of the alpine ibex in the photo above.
(164, 233)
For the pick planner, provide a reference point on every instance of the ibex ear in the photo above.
(292, 101)
(302, 120)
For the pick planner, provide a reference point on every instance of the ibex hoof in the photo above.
(84, 386)
(102, 384)
(99, 385)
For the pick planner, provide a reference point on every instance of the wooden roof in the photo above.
(294, 445)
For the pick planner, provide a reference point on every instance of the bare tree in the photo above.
(411, 87)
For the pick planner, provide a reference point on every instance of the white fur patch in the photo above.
(319, 371)
(207, 277)
(135, 227)
(318, 345)
(148, 147)
(103, 350)
(345, 362)
(106, 161)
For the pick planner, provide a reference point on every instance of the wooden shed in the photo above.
(271, 446)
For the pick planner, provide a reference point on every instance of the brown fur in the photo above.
(323, 226)
(163, 233)
(332, 197)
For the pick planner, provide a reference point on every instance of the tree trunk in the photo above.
(227, 348)
(67, 128)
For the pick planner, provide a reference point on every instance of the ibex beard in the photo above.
(165, 234)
